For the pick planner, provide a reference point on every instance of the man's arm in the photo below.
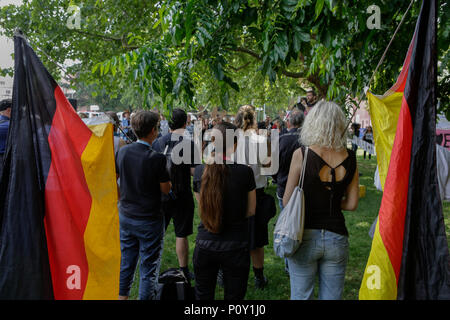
(165, 187)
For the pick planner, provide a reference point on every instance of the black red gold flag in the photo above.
(59, 228)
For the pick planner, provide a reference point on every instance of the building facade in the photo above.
(6, 87)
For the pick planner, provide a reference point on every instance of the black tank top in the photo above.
(323, 199)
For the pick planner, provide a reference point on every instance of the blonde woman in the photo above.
(246, 121)
(330, 186)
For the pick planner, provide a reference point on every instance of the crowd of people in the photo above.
(233, 207)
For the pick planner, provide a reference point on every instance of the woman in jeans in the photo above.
(225, 192)
(330, 186)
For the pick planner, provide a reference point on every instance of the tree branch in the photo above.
(289, 74)
(239, 68)
(103, 36)
(122, 39)
(247, 51)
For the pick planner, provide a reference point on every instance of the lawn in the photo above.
(358, 224)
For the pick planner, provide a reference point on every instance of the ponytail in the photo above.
(211, 196)
(245, 118)
(213, 186)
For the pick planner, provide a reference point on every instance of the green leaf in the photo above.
(266, 41)
(94, 69)
(107, 66)
(282, 46)
(205, 33)
(296, 42)
(303, 36)
(231, 83)
(218, 71)
(200, 39)
(319, 7)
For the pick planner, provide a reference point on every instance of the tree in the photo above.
(178, 52)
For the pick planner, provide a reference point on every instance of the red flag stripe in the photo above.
(395, 195)
(66, 217)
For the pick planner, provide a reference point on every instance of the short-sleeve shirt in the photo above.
(239, 182)
(141, 170)
(183, 185)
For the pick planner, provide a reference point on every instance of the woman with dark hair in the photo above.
(225, 192)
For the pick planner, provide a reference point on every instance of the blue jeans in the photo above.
(140, 239)
(280, 203)
(323, 253)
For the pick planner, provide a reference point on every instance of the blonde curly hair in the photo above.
(246, 117)
(324, 126)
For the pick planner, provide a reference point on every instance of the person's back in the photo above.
(239, 181)
(143, 176)
(140, 171)
(179, 205)
(330, 186)
(180, 172)
(226, 197)
(327, 176)
(288, 143)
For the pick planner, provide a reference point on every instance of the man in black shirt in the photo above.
(179, 206)
(289, 142)
(143, 177)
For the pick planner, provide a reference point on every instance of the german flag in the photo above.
(409, 258)
(59, 225)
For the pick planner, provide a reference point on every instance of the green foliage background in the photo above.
(145, 54)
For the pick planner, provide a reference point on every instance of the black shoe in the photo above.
(261, 283)
(220, 278)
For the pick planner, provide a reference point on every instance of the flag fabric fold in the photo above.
(59, 227)
(409, 257)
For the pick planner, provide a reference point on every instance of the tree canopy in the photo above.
(222, 52)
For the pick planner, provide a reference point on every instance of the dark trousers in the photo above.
(235, 265)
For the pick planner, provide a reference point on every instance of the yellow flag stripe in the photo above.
(384, 112)
(379, 281)
(101, 237)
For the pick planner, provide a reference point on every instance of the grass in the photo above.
(358, 224)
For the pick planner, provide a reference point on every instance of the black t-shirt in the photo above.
(323, 199)
(181, 173)
(141, 170)
(289, 142)
(235, 229)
